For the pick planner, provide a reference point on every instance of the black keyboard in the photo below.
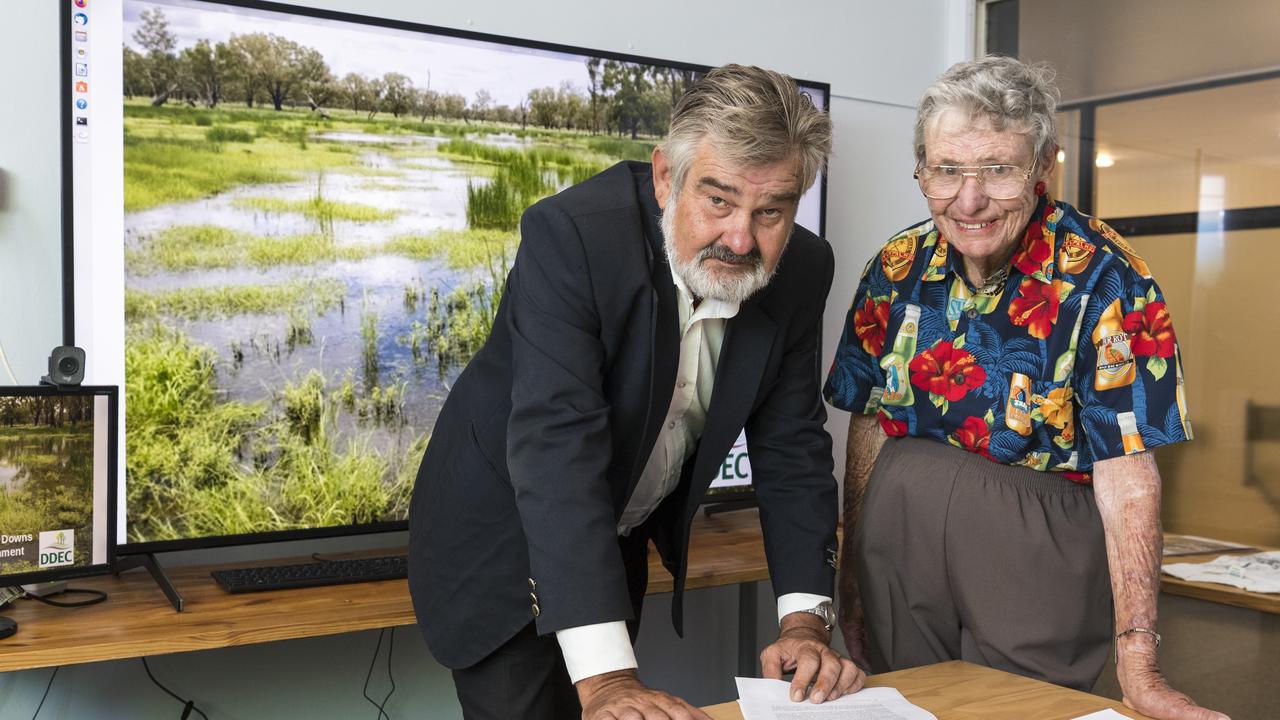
(323, 572)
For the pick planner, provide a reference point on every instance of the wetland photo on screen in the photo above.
(319, 218)
(46, 478)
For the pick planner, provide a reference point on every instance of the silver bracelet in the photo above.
(1131, 630)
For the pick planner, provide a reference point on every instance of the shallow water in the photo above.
(428, 192)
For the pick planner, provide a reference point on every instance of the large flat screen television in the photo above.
(287, 231)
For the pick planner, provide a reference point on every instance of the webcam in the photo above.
(66, 367)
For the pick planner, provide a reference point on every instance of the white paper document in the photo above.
(1107, 714)
(1259, 572)
(771, 700)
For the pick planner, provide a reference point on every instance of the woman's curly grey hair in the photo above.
(1007, 92)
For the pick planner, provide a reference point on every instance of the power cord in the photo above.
(391, 645)
(46, 691)
(5, 359)
(189, 706)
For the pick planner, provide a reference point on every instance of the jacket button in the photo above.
(532, 585)
(536, 610)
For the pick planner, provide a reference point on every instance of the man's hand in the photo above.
(619, 695)
(1145, 689)
(803, 647)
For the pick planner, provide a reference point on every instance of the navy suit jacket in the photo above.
(545, 433)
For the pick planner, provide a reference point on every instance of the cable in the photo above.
(5, 358)
(46, 691)
(391, 646)
(97, 596)
(189, 706)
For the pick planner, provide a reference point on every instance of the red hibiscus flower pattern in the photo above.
(947, 371)
(1151, 330)
(869, 323)
(1037, 250)
(975, 436)
(891, 427)
(1036, 307)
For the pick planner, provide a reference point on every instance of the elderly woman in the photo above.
(1008, 365)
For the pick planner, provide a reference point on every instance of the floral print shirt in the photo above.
(1071, 360)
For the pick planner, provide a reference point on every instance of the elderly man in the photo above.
(648, 317)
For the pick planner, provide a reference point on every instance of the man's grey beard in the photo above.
(730, 287)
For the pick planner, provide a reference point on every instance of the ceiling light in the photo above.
(1062, 156)
(1104, 160)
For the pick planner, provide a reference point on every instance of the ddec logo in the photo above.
(57, 547)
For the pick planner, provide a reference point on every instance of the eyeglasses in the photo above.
(999, 182)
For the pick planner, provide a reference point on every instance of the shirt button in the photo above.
(972, 313)
(682, 383)
(671, 425)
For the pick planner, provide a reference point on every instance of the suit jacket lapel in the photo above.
(664, 348)
(748, 341)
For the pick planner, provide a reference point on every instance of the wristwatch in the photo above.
(824, 611)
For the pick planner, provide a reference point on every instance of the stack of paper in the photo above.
(770, 700)
(1259, 572)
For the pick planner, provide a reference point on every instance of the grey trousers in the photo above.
(961, 558)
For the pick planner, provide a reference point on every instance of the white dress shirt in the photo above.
(604, 647)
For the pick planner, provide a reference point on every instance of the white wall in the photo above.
(877, 56)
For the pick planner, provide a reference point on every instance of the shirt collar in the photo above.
(708, 309)
(1034, 257)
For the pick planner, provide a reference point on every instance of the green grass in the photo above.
(225, 134)
(621, 148)
(213, 303)
(182, 248)
(199, 466)
(318, 210)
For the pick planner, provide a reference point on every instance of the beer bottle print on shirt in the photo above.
(897, 381)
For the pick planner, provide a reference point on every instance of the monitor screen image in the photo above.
(56, 468)
(289, 231)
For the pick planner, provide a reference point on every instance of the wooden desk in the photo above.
(137, 619)
(959, 690)
(1213, 592)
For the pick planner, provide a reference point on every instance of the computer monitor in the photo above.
(57, 482)
(287, 230)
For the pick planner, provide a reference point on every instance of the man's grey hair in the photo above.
(1009, 93)
(752, 118)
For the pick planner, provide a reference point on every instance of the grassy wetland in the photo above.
(304, 283)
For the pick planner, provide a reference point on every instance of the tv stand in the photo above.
(148, 561)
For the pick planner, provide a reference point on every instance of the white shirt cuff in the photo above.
(795, 602)
(596, 649)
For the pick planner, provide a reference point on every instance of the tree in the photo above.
(593, 90)
(632, 102)
(480, 106)
(397, 94)
(571, 107)
(453, 106)
(161, 64)
(316, 83)
(136, 81)
(357, 93)
(248, 54)
(204, 70)
(543, 107)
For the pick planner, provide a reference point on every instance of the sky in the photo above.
(445, 64)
